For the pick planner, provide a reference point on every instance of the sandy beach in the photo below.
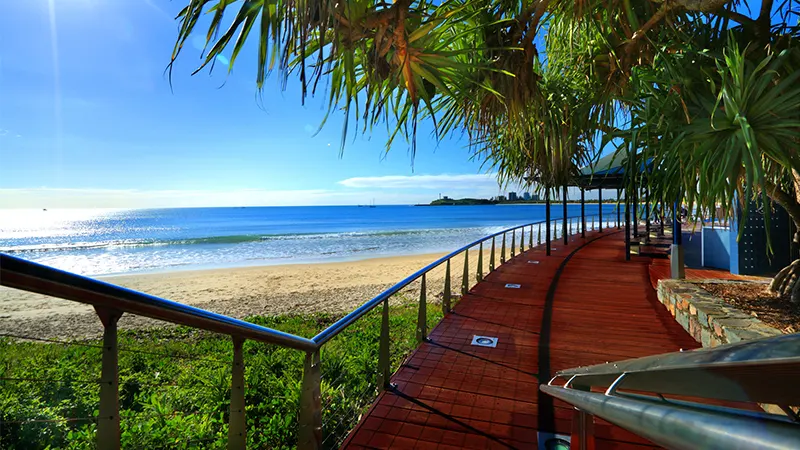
(238, 292)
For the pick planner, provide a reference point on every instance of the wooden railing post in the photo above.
(310, 420)
(465, 278)
(503, 250)
(447, 290)
(513, 242)
(422, 317)
(383, 349)
(237, 425)
(491, 257)
(479, 276)
(108, 431)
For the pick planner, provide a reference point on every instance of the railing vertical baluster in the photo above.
(480, 263)
(530, 238)
(503, 250)
(522, 240)
(237, 425)
(513, 242)
(422, 317)
(383, 349)
(539, 235)
(465, 278)
(491, 257)
(108, 431)
(447, 291)
(310, 426)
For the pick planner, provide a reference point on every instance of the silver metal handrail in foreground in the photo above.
(763, 371)
(111, 301)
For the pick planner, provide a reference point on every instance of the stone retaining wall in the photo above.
(707, 318)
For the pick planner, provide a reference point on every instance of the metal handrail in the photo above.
(337, 327)
(111, 301)
(761, 371)
(33, 277)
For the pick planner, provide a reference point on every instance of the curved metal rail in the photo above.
(111, 301)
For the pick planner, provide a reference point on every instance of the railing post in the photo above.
(564, 218)
(619, 192)
(237, 425)
(583, 213)
(627, 226)
(108, 431)
(600, 209)
(310, 426)
(479, 277)
(465, 278)
(522, 240)
(447, 291)
(530, 239)
(547, 219)
(422, 316)
(513, 242)
(503, 250)
(491, 258)
(539, 234)
(383, 349)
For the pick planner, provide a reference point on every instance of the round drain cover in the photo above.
(483, 341)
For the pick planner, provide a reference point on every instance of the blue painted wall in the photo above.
(717, 248)
(692, 249)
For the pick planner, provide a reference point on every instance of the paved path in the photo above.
(583, 305)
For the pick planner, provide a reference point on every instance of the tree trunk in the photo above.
(787, 281)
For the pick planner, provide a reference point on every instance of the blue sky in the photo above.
(87, 119)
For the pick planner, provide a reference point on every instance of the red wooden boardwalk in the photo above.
(450, 394)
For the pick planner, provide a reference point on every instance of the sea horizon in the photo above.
(120, 241)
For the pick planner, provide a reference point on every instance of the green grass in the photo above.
(182, 400)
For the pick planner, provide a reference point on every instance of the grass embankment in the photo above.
(182, 400)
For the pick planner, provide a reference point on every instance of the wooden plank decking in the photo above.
(596, 308)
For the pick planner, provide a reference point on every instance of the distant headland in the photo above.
(500, 200)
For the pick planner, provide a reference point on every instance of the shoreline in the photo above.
(240, 292)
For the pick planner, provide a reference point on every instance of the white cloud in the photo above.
(443, 181)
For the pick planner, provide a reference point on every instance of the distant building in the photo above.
(501, 198)
(512, 196)
(535, 197)
(445, 198)
(526, 196)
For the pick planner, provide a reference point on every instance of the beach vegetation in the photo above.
(175, 382)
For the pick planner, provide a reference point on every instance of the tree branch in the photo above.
(738, 17)
(787, 201)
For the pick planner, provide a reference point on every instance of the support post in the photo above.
(503, 250)
(635, 211)
(547, 218)
(582, 436)
(108, 431)
(539, 234)
(530, 239)
(310, 420)
(513, 243)
(627, 228)
(479, 276)
(676, 258)
(491, 258)
(583, 213)
(422, 314)
(383, 349)
(564, 218)
(600, 209)
(447, 290)
(619, 224)
(237, 425)
(465, 278)
(647, 214)
(663, 213)
(521, 240)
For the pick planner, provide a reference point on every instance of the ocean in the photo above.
(104, 241)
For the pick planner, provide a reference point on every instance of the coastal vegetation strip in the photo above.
(175, 384)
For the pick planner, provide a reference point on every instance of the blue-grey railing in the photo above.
(111, 301)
